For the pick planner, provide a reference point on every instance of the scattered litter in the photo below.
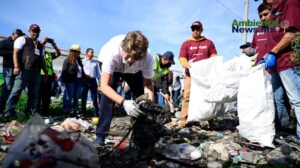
(41, 146)
(11, 131)
(179, 151)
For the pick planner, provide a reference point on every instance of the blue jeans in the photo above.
(176, 100)
(134, 81)
(291, 81)
(7, 86)
(281, 113)
(159, 99)
(71, 95)
(32, 81)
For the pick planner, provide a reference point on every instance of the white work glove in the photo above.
(132, 108)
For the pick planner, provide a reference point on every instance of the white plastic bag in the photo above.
(225, 85)
(202, 74)
(256, 107)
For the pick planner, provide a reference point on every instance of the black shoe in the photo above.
(99, 141)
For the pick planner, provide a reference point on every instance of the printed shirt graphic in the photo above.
(260, 44)
(197, 50)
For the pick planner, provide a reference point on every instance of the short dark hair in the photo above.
(263, 7)
(88, 49)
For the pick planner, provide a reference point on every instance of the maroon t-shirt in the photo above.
(287, 12)
(197, 50)
(260, 43)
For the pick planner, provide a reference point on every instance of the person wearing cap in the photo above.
(126, 57)
(280, 53)
(6, 51)
(28, 59)
(46, 85)
(195, 48)
(162, 63)
(72, 76)
(260, 43)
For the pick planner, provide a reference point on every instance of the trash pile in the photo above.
(153, 140)
(39, 145)
(147, 129)
(192, 146)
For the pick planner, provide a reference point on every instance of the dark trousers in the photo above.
(134, 81)
(92, 86)
(45, 95)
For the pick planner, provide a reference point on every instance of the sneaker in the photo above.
(99, 141)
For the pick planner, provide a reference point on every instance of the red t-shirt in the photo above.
(287, 12)
(197, 50)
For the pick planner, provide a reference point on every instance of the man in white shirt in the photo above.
(125, 57)
(92, 74)
(28, 59)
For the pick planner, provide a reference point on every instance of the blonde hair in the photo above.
(135, 45)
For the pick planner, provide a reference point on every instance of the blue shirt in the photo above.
(91, 68)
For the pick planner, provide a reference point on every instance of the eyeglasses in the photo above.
(195, 28)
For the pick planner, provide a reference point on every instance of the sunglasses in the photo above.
(195, 28)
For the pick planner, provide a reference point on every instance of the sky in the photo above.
(166, 23)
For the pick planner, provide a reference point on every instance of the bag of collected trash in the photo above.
(256, 107)
(41, 146)
(203, 73)
(224, 87)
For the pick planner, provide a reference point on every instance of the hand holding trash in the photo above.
(132, 108)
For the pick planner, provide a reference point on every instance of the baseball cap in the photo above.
(246, 45)
(75, 47)
(35, 28)
(170, 56)
(196, 24)
(19, 32)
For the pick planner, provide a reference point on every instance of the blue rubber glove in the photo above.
(270, 60)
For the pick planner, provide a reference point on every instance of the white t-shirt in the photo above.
(113, 61)
(19, 42)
